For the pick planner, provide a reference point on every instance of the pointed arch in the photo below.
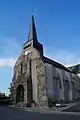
(59, 78)
(20, 93)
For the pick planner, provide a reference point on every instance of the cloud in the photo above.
(10, 49)
(7, 62)
(64, 57)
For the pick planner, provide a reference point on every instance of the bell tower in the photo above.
(29, 74)
(32, 50)
(32, 41)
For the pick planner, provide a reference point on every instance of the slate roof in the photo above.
(56, 64)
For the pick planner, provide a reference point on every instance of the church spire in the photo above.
(32, 31)
(32, 38)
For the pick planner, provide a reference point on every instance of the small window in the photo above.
(60, 83)
(21, 68)
(16, 74)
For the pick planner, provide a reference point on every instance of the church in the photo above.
(39, 79)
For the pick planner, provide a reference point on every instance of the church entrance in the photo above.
(19, 94)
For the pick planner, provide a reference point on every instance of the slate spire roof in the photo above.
(32, 31)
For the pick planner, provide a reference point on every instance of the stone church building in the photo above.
(39, 79)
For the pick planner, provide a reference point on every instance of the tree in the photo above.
(11, 94)
(2, 95)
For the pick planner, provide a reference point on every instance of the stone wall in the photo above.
(41, 84)
(21, 78)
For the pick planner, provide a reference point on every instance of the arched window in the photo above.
(66, 79)
(58, 76)
(21, 68)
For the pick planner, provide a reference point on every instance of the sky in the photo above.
(58, 29)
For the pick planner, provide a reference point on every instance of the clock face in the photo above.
(26, 52)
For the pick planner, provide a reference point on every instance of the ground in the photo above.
(74, 108)
(8, 113)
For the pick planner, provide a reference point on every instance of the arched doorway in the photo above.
(20, 93)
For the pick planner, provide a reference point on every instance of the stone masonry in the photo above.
(41, 83)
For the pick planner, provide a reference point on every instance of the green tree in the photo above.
(2, 95)
(10, 93)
